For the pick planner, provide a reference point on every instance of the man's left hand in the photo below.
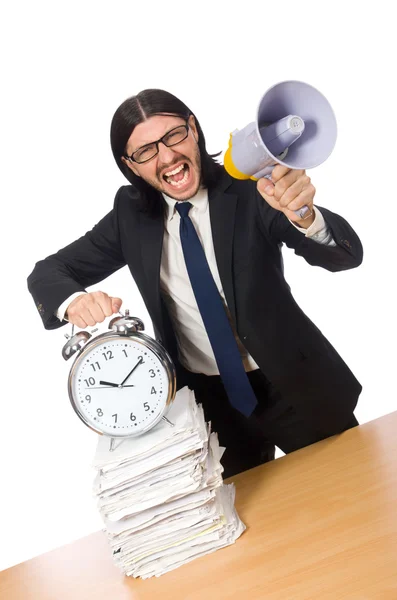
(290, 190)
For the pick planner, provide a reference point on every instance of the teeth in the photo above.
(181, 182)
(174, 172)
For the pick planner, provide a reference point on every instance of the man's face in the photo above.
(175, 170)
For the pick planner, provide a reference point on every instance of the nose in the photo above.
(166, 155)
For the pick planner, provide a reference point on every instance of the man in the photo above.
(205, 252)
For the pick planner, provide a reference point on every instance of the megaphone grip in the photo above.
(304, 212)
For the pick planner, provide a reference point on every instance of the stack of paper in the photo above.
(161, 495)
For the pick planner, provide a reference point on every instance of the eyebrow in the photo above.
(152, 142)
(143, 145)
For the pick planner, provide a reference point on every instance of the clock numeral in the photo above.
(89, 381)
(146, 405)
(88, 398)
(94, 367)
(153, 374)
(125, 352)
(99, 412)
(115, 417)
(153, 390)
(108, 355)
(132, 417)
(140, 358)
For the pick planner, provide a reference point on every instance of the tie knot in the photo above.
(183, 208)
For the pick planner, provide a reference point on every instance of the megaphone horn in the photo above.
(295, 126)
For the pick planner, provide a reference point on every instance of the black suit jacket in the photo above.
(248, 235)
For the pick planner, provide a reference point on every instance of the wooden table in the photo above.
(321, 525)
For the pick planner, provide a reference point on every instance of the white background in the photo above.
(66, 68)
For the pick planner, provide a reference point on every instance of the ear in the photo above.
(130, 165)
(192, 125)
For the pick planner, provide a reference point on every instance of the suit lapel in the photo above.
(223, 214)
(151, 234)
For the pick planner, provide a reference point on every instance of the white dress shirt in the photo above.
(195, 351)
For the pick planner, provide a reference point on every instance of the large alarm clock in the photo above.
(121, 382)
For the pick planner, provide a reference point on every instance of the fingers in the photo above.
(303, 199)
(92, 308)
(266, 190)
(282, 178)
(288, 195)
(287, 187)
(78, 321)
(291, 189)
(265, 187)
(279, 172)
(116, 303)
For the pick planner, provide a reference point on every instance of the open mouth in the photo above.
(178, 177)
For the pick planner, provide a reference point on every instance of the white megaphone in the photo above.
(295, 126)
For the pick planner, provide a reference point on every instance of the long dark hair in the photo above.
(138, 109)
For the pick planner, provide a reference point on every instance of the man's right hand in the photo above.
(91, 308)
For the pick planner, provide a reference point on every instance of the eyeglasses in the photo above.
(149, 151)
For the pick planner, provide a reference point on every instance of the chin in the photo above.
(184, 195)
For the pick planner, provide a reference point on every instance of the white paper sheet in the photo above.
(161, 495)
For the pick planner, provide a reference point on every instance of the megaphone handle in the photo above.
(304, 212)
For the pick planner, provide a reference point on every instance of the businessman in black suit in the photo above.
(263, 371)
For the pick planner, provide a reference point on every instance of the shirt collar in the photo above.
(199, 201)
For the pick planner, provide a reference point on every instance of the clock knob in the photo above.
(126, 324)
(75, 343)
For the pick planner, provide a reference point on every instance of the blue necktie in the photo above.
(213, 313)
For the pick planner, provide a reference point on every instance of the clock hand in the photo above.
(104, 387)
(109, 383)
(132, 370)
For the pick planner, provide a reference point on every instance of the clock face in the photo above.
(119, 386)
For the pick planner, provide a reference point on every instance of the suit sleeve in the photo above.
(347, 254)
(85, 262)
